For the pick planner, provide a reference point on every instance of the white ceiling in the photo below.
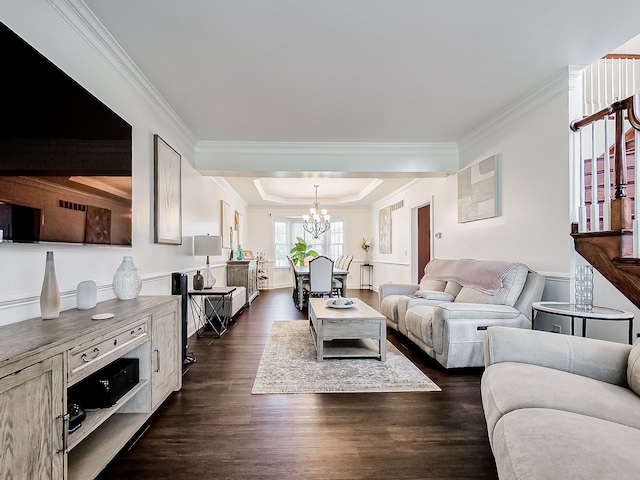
(355, 70)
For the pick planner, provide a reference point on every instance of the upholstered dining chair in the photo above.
(294, 295)
(343, 262)
(320, 277)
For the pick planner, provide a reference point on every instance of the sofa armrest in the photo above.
(462, 322)
(386, 289)
(476, 310)
(598, 359)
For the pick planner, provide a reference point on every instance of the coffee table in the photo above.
(359, 331)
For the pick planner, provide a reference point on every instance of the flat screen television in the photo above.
(65, 157)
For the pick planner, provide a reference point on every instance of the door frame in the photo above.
(415, 275)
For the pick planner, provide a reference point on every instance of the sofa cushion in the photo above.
(433, 285)
(453, 288)
(511, 386)
(512, 284)
(389, 307)
(419, 323)
(543, 444)
(633, 368)
(431, 295)
(430, 284)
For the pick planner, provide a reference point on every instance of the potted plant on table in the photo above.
(301, 250)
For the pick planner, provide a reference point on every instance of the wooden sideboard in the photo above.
(244, 273)
(41, 359)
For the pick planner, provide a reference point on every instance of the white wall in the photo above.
(66, 41)
(532, 140)
(260, 237)
(533, 227)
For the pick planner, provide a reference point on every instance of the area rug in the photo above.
(289, 365)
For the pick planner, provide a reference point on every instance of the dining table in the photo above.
(302, 276)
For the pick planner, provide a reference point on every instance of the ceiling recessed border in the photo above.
(220, 158)
(371, 185)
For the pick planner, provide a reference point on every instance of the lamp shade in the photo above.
(207, 245)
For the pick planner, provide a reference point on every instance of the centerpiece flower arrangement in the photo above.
(366, 245)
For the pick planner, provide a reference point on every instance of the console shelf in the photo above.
(96, 418)
(40, 360)
(94, 453)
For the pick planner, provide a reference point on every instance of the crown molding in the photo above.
(393, 195)
(323, 148)
(221, 158)
(554, 86)
(575, 75)
(92, 31)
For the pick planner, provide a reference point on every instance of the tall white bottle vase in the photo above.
(50, 294)
(126, 281)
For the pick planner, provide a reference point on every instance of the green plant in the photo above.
(300, 250)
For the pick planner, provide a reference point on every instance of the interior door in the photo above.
(424, 238)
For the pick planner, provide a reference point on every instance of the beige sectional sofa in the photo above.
(447, 314)
(561, 407)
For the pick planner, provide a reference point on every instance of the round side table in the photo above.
(572, 311)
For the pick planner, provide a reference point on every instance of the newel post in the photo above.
(621, 205)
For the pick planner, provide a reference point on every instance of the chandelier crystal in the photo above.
(317, 222)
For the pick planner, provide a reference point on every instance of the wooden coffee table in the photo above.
(359, 331)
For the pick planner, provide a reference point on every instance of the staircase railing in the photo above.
(601, 137)
(608, 80)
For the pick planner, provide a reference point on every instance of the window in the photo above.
(286, 229)
(281, 237)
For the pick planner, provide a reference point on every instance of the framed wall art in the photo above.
(226, 229)
(239, 223)
(384, 230)
(478, 191)
(167, 199)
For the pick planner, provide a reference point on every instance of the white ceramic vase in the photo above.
(50, 294)
(126, 281)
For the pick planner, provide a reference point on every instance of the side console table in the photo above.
(244, 273)
(366, 272)
(211, 307)
(40, 360)
(572, 311)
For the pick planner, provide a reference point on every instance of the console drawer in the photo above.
(89, 357)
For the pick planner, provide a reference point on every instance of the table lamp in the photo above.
(207, 245)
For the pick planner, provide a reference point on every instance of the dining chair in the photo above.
(320, 277)
(345, 263)
(294, 295)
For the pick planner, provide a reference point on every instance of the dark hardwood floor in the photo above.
(215, 429)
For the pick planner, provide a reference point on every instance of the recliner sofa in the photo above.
(561, 407)
(447, 314)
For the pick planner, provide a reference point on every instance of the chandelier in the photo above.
(317, 222)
